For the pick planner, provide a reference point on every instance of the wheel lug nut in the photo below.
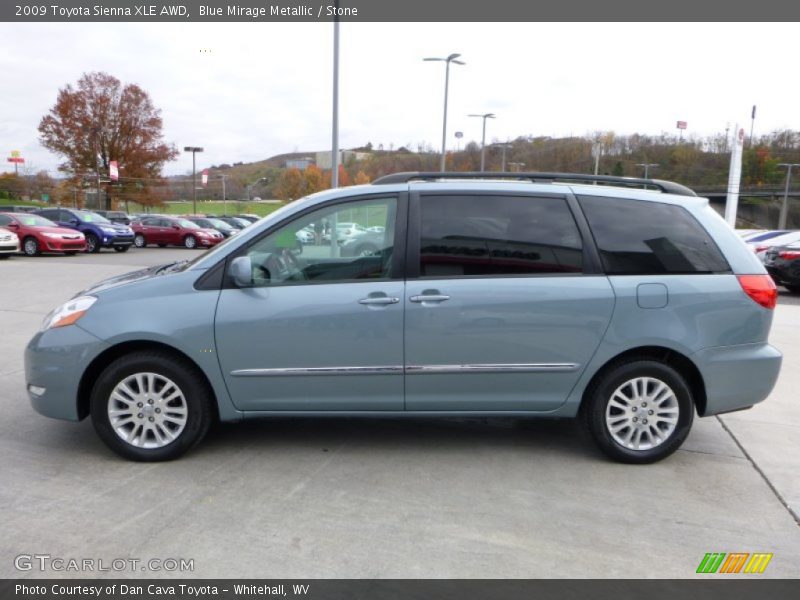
(649, 412)
(151, 419)
(643, 421)
(139, 416)
(150, 401)
(139, 404)
(158, 410)
(634, 409)
(635, 419)
(644, 404)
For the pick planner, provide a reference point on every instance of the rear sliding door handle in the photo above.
(429, 298)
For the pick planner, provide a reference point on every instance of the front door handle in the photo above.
(430, 298)
(378, 300)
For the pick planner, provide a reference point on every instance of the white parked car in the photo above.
(345, 231)
(9, 243)
(760, 246)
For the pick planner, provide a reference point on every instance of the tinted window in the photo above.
(51, 214)
(280, 258)
(640, 237)
(5, 220)
(497, 235)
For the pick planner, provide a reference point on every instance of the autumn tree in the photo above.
(314, 180)
(291, 185)
(101, 120)
(361, 178)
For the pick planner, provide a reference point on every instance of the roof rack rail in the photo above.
(666, 187)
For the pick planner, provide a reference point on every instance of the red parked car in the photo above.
(37, 234)
(174, 231)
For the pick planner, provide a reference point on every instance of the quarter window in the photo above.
(344, 242)
(463, 236)
(638, 237)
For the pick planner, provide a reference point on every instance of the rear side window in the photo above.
(497, 235)
(637, 237)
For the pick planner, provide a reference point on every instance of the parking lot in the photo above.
(349, 498)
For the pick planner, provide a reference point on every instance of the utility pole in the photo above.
(646, 167)
(752, 122)
(96, 132)
(598, 150)
(483, 137)
(194, 150)
(224, 197)
(503, 163)
(784, 216)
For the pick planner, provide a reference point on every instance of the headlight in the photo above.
(110, 230)
(53, 236)
(68, 313)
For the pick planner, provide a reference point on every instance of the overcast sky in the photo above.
(262, 89)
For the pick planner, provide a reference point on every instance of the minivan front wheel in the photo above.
(639, 411)
(150, 406)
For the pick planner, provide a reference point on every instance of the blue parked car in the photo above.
(631, 308)
(99, 231)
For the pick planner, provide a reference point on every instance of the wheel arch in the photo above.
(105, 358)
(680, 362)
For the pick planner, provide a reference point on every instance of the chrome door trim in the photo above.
(492, 368)
(412, 370)
(383, 370)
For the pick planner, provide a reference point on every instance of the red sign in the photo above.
(16, 159)
(681, 125)
(113, 170)
(205, 177)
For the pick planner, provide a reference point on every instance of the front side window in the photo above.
(290, 255)
(638, 237)
(497, 235)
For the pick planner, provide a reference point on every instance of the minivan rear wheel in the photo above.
(150, 406)
(639, 411)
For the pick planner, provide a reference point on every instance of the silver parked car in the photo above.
(632, 309)
(9, 243)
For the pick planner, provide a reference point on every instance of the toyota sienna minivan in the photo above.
(627, 303)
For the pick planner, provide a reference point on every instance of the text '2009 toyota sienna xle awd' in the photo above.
(627, 303)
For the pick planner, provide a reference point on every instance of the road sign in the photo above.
(205, 177)
(681, 125)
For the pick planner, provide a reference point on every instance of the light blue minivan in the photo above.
(627, 303)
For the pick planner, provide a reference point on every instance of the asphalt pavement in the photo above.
(364, 498)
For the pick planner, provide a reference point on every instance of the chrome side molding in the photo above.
(412, 370)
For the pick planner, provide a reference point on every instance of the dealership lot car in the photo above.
(9, 243)
(783, 264)
(38, 234)
(98, 231)
(172, 231)
(631, 309)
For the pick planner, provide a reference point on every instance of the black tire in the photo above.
(190, 242)
(599, 395)
(121, 248)
(5, 256)
(30, 246)
(162, 245)
(139, 241)
(198, 402)
(92, 243)
(70, 253)
(795, 289)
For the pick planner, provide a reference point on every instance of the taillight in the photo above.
(760, 249)
(760, 288)
(789, 254)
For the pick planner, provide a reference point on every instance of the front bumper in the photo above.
(55, 361)
(65, 245)
(737, 377)
(117, 240)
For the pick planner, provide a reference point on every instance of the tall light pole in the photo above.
(646, 167)
(483, 138)
(504, 147)
(785, 206)
(224, 196)
(450, 59)
(194, 150)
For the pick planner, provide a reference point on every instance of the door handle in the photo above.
(429, 298)
(378, 300)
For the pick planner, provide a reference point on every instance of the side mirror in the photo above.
(176, 226)
(241, 271)
(12, 225)
(73, 222)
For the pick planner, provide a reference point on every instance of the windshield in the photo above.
(218, 223)
(90, 217)
(35, 221)
(188, 224)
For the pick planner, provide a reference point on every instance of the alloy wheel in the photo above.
(642, 413)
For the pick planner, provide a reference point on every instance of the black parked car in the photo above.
(783, 264)
(224, 228)
(236, 222)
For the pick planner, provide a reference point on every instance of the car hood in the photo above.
(59, 230)
(132, 277)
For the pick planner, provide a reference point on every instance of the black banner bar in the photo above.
(397, 11)
(745, 587)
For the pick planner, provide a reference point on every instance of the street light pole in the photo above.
(194, 150)
(784, 216)
(503, 163)
(224, 197)
(452, 58)
(646, 167)
(483, 138)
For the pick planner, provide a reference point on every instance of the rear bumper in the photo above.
(737, 377)
(785, 273)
